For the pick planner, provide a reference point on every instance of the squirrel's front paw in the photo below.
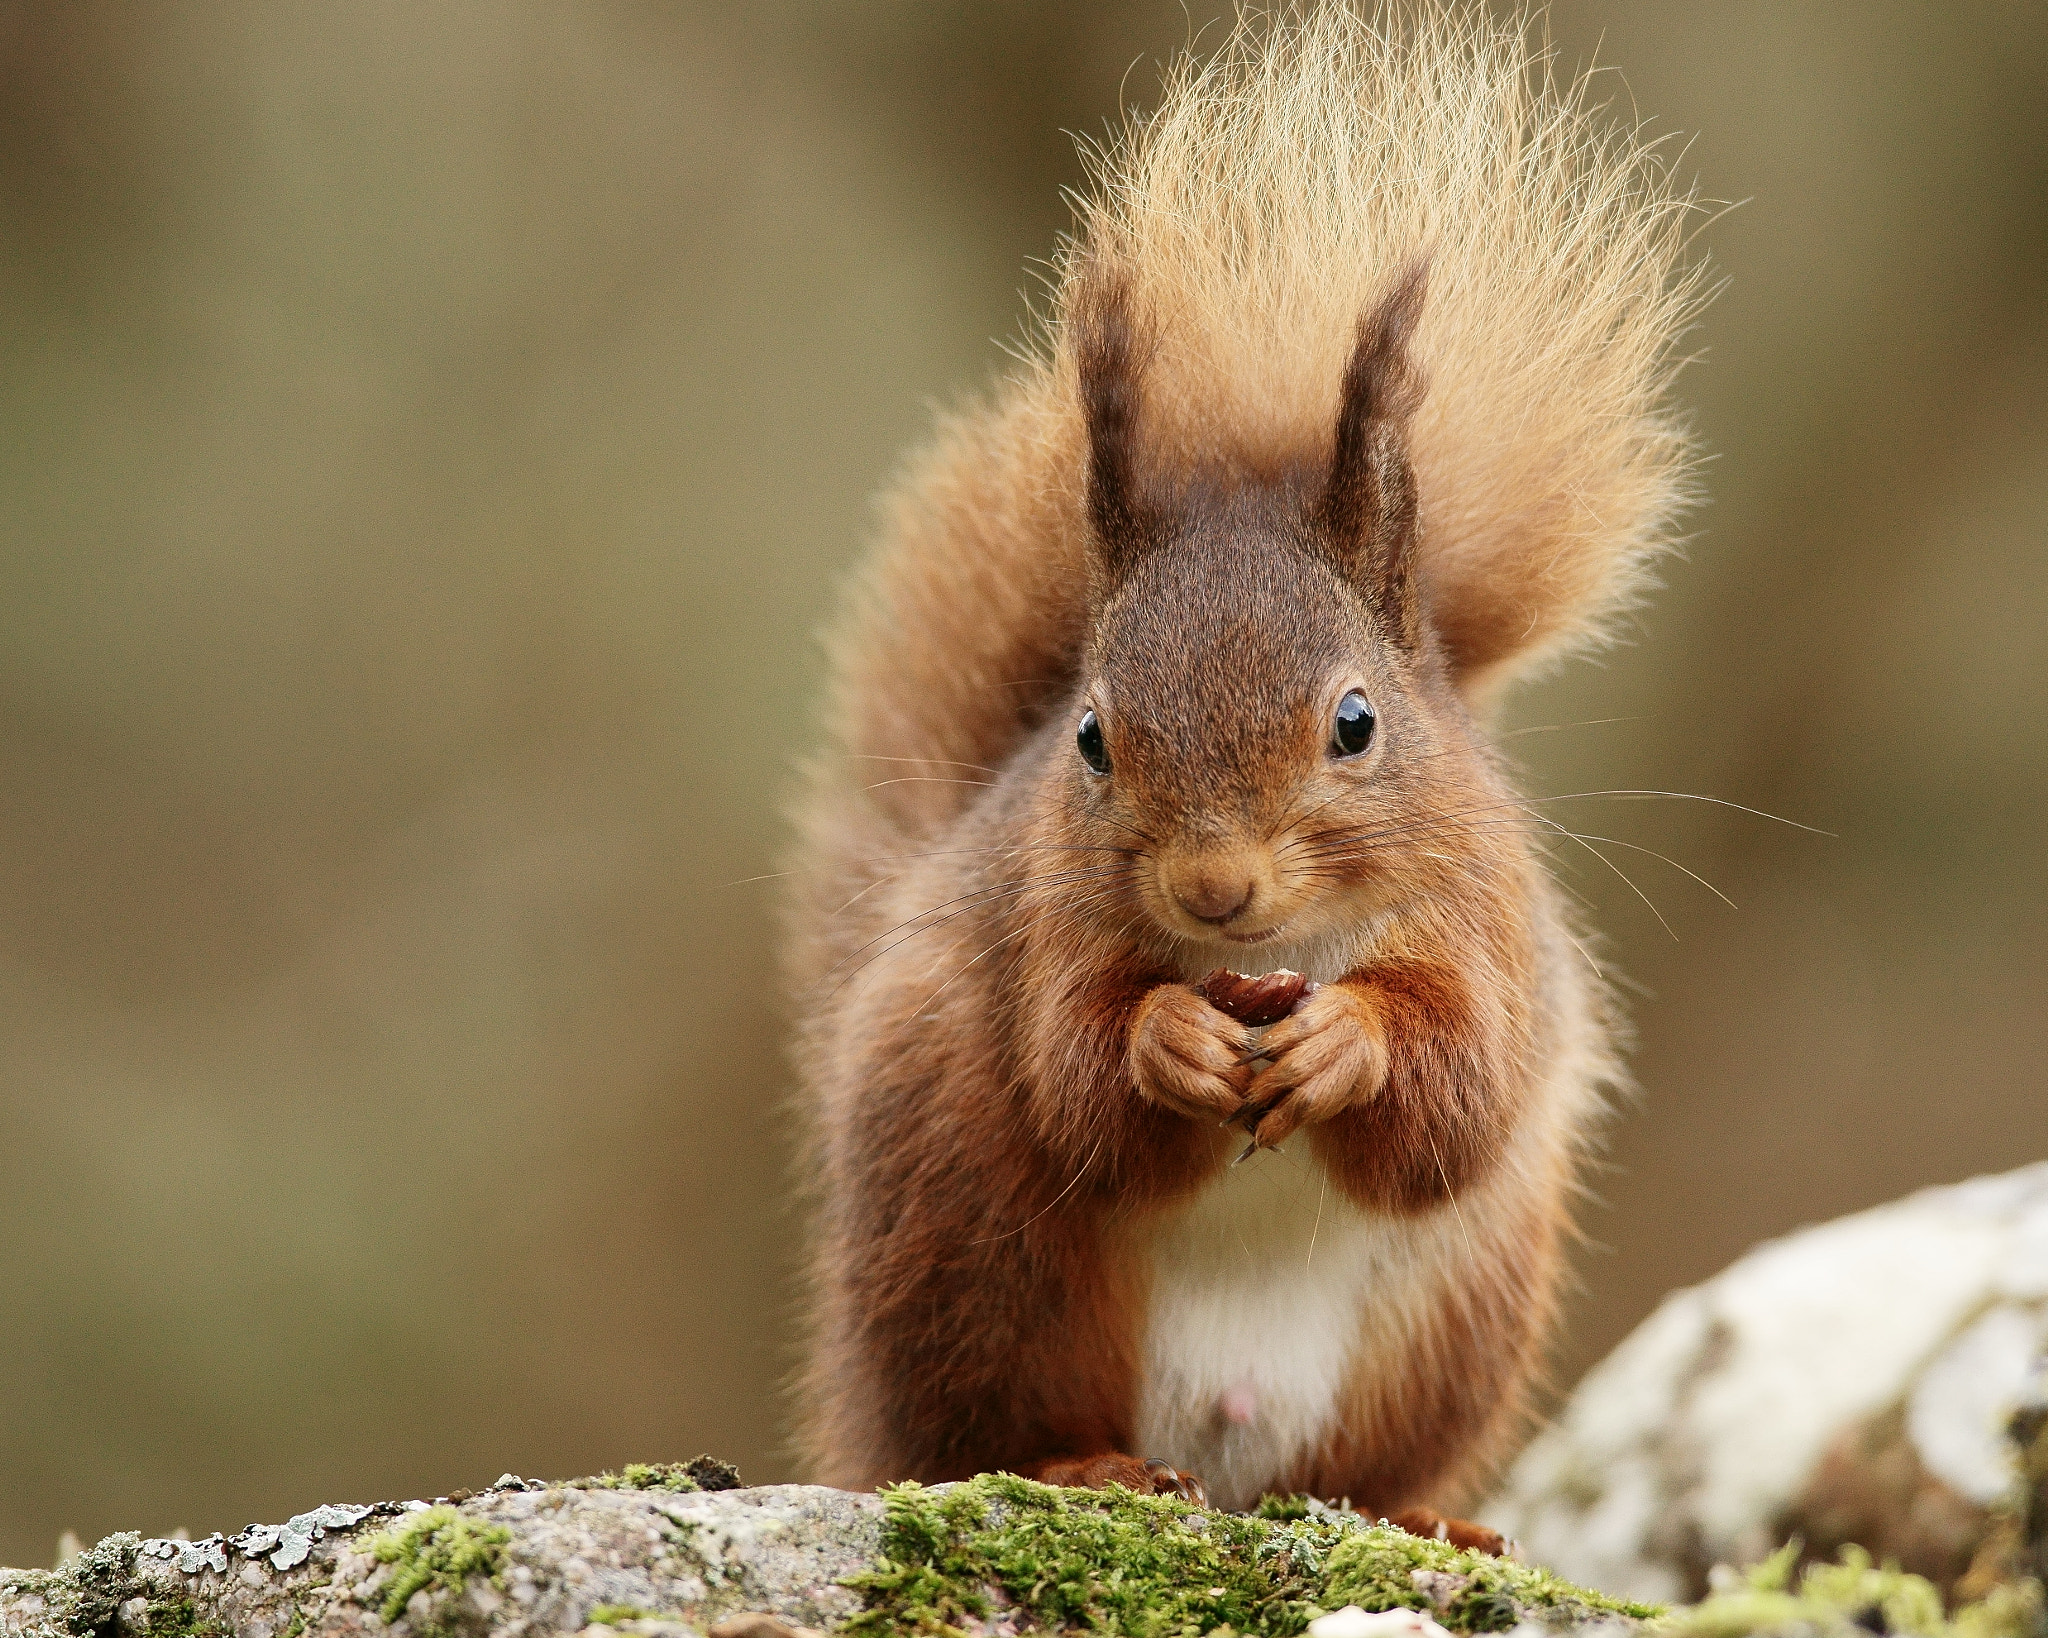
(1187, 1056)
(1326, 1055)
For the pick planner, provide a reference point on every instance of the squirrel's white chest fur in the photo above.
(1259, 1289)
(1261, 1295)
(1269, 1290)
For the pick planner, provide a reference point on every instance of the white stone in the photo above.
(1353, 1622)
(1959, 1407)
(1708, 1421)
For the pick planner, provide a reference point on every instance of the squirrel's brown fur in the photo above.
(1352, 385)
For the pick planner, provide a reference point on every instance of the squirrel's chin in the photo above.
(1217, 946)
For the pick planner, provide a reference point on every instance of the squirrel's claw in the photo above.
(1168, 1479)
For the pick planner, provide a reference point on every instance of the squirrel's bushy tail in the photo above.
(1277, 190)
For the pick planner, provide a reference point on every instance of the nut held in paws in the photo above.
(1254, 1002)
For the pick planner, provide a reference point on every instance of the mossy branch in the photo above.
(437, 1548)
(1116, 1562)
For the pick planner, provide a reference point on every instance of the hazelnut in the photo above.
(1254, 1002)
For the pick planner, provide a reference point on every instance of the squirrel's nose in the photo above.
(1213, 897)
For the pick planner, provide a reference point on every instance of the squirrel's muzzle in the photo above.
(1212, 888)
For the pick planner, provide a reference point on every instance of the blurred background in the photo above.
(430, 435)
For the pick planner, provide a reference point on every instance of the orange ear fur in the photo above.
(1368, 510)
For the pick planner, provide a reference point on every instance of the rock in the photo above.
(1848, 1383)
(760, 1626)
(513, 1561)
(1353, 1622)
(994, 1557)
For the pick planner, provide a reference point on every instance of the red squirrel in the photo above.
(1175, 660)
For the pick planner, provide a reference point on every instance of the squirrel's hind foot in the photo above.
(1149, 1476)
(1427, 1521)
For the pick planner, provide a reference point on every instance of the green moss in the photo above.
(1849, 1598)
(611, 1615)
(1113, 1562)
(179, 1618)
(1375, 1568)
(2017, 1610)
(699, 1473)
(437, 1548)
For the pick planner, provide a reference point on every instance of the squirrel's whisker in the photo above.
(1624, 875)
(938, 853)
(927, 762)
(969, 902)
(1687, 796)
(1635, 847)
(1064, 909)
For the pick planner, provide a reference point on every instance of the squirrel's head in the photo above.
(1266, 724)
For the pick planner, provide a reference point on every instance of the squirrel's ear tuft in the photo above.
(1109, 344)
(1367, 512)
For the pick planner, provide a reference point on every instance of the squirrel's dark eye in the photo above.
(1355, 722)
(1089, 737)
